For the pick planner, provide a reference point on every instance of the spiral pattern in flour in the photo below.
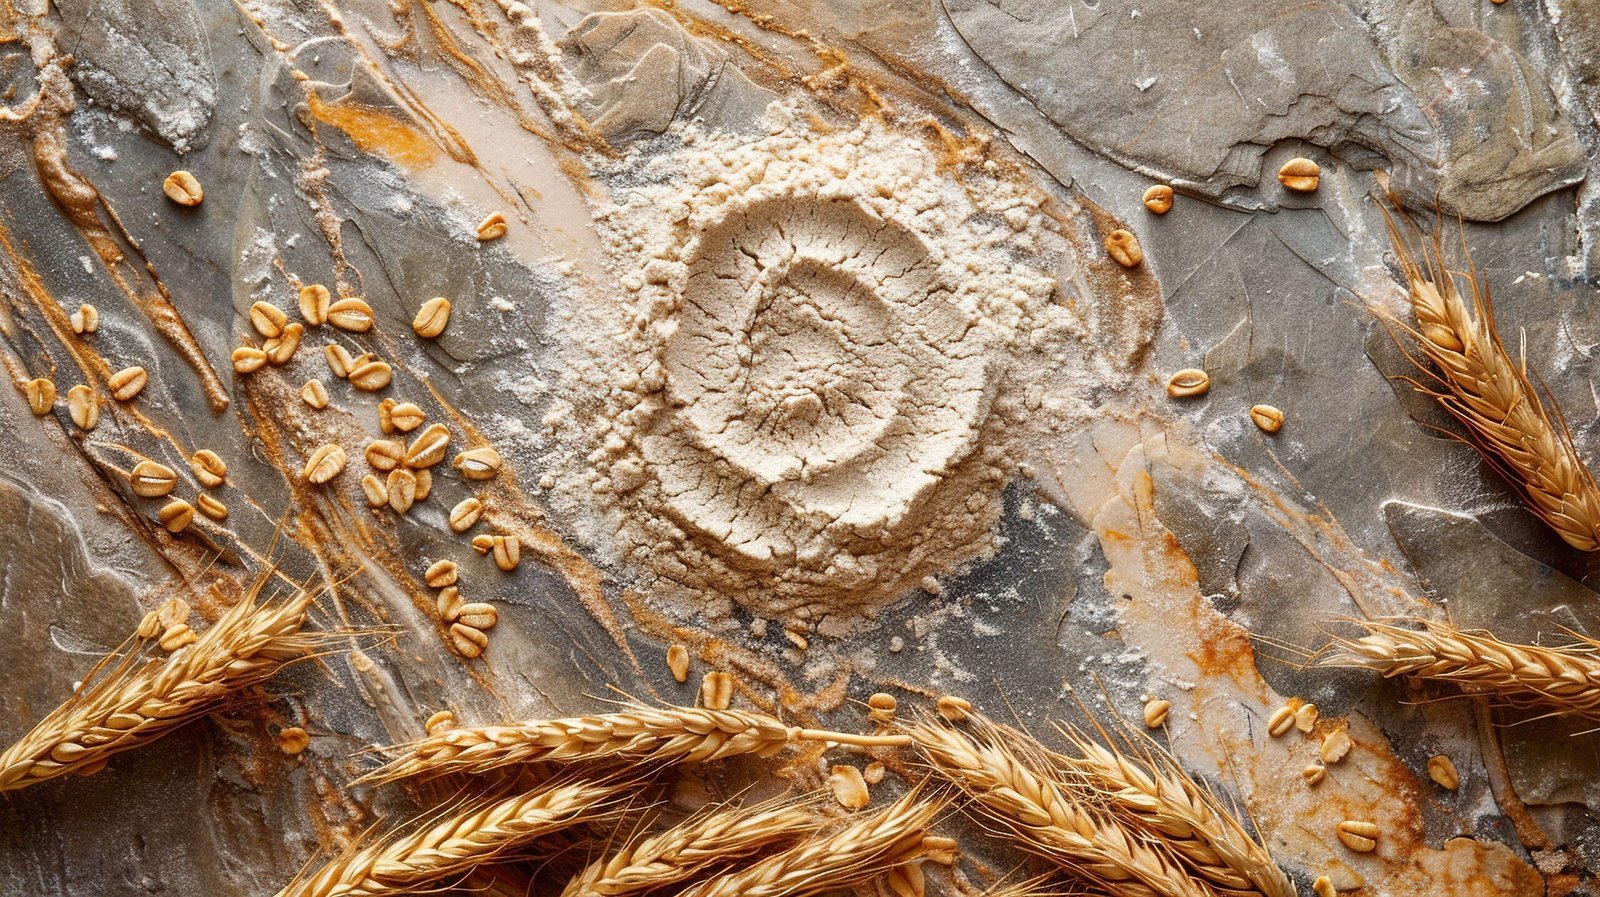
(822, 380)
(803, 408)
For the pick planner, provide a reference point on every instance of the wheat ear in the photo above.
(687, 734)
(416, 861)
(1158, 796)
(687, 849)
(1047, 816)
(1490, 393)
(854, 853)
(134, 698)
(1560, 681)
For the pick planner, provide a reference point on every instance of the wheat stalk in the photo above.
(486, 830)
(856, 852)
(691, 847)
(1561, 681)
(133, 698)
(1049, 817)
(1160, 797)
(1481, 386)
(686, 734)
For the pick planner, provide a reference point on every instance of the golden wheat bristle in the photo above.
(410, 862)
(858, 851)
(1157, 795)
(136, 696)
(690, 848)
(1562, 681)
(1041, 813)
(1518, 432)
(637, 732)
(1042, 886)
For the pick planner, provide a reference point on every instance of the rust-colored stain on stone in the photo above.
(375, 130)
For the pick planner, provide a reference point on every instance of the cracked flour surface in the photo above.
(802, 392)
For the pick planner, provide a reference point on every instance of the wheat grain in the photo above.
(410, 862)
(1480, 385)
(690, 848)
(1561, 681)
(133, 698)
(684, 734)
(851, 854)
(1157, 795)
(1046, 816)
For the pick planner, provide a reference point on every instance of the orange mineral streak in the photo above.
(341, 536)
(443, 136)
(331, 527)
(9, 19)
(375, 130)
(77, 198)
(474, 73)
(83, 205)
(92, 367)
(572, 133)
(1164, 614)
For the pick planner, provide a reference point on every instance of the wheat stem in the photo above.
(1048, 817)
(850, 738)
(140, 698)
(1561, 681)
(688, 734)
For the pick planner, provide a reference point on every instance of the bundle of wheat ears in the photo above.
(1123, 820)
(135, 696)
(1559, 681)
(1520, 434)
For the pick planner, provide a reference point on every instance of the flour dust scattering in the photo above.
(804, 398)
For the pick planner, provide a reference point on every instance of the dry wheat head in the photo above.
(1518, 432)
(1048, 816)
(1560, 681)
(136, 697)
(484, 830)
(862, 849)
(693, 846)
(1184, 814)
(637, 732)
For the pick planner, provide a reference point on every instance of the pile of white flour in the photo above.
(799, 398)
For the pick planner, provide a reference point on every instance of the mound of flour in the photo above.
(798, 398)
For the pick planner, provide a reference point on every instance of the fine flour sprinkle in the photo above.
(800, 400)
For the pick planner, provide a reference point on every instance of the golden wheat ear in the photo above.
(476, 833)
(1517, 428)
(1147, 787)
(698, 845)
(1043, 810)
(1563, 681)
(136, 696)
(637, 732)
(887, 842)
